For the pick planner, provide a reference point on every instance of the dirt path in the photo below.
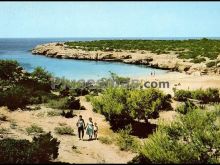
(86, 151)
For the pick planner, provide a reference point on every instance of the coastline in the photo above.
(168, 62)
(181, 74)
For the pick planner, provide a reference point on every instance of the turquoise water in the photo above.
(19, 49)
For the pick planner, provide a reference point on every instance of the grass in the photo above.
(185, 49)
(62, 124)
(4, 130)
(127, 142)
(53, 113)
(105, 140)
(34, 129)
(13, 125)
(58, 104)
(198, 60)
(211, 64)
(64, 130)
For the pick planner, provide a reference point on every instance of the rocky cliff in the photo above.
(162, 61)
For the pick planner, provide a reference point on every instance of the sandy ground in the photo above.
(86, 151)
(94, 151)
(183, 81)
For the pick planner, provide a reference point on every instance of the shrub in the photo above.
(4, 131)
(65, 103)
(64, 130)
(127, 142)
(13, 125)
(186, 107)
(88, 97)
(62, 124)
(34, 129)
(194, 138)
(211, 64)
(14, 97)
(198, 60)
(9, 70)
(105, 140)
(42, 149)
(41, 74)
(121, 106)
(186, 49)
(182, 95)
(53, 113)
(206, 96)
(59, 103)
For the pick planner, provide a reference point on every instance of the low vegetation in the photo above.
(53, 113)
(19, 88)
(121, 106)
(4, 131)
(105, 140)
(205, 96)
(127, 142)
(43, 149)
(185, 49)
(34, 129)
(194, 138)
(64, 130)
(198, 60)
(186, 107)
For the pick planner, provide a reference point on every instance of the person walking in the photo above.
(95, 131)
(81, 125)
(90, 128)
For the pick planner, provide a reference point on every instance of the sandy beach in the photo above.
(183, 81)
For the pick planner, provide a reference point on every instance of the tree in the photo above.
(193, 138)
(9, 70)
(120, 105)
(41, 74)
(42, 149)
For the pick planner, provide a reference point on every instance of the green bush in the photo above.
(13, 125)
(42, 149)
(41, 75)
(9, 70)
(185, 49)
(127, 142)
(64, 103)
(194, 138)
(14, 97)
(211, 64)
(105, 140)
(59, 103)
(64, 130)
(34, 129)
(4, 131)
(206, 96)
(186, 107)
(198, 60)
(18, 89)
(121, 106)
(182, 95)
(53, 113)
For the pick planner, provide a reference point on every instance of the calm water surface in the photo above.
(19, 49)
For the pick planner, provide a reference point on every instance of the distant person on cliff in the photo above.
(90, 128)
(81, 125)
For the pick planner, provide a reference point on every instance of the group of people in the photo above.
(91, 129)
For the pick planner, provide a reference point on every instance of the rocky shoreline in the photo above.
(161, 61)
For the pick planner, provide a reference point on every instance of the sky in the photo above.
(109, 19)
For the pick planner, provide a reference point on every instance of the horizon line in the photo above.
(102, 37)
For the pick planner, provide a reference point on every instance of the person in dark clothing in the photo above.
(81, 125)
